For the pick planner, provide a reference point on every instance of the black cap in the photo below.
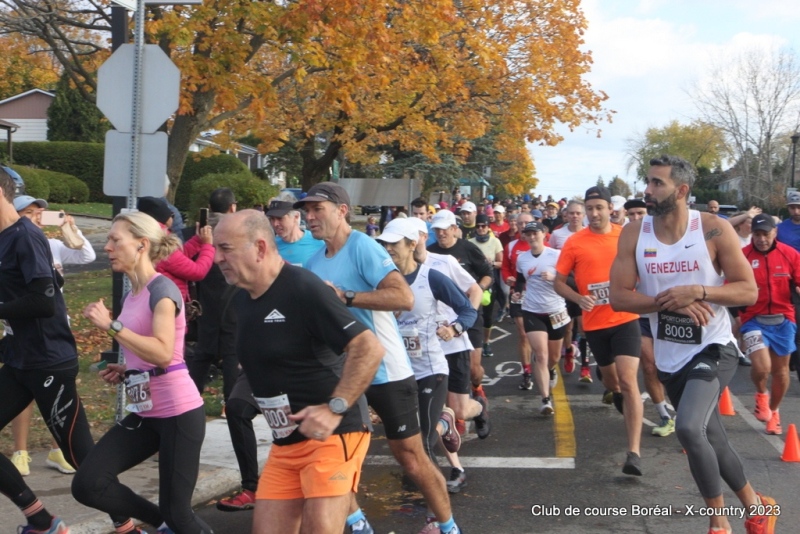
(278, 208)
(593, 193)
(762, 221)
(325, 191)
(156, 208)
(482, 219)
(534, 226)
(635, 203)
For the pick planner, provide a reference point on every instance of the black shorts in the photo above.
(712, 362)
(515, 310)
(475, 332)
(574, 310)
(621, 340)
(397, 405)
(459, 380)
(540, 322)
(644, 327)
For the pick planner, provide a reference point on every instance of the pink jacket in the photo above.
(181, 268)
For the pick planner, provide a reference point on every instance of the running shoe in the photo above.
(57, 526)
(763, 524)
(633, 465)
(744, 361)
(608, 397)
(553, 378)
(762, 411)
(165, 530)
(461, 426)
(547, 407)
(666, 427)
(500, 316)
(21, 459)
(245, 500)
(487, 350)
(586, 375)
(569, 359)
(618, 401)
(527, 381)
(56, 460)
(451, 439)
(482, 425)
(774, 424)
(362, 526)
(458, 479)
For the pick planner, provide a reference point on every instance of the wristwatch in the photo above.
(349, 295)
(458, 327)
(338, 405)
(115, 328)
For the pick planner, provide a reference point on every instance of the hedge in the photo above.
(35, 184)
(248, 190)
(85, 161)
(198, 166)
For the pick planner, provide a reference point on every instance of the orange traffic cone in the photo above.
(791, 450)
(726, 403)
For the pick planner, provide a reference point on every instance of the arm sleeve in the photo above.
(506, 271)
(37, 303)
(444, 290)
(84, 255)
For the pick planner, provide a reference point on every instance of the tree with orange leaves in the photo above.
(25, 66)
(326, 77)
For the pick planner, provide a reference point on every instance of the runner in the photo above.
(422, 329)
(309, 391)
(689, 265)
(509, 271)
(493, 251)
(768, 326)
(544, 313)
(366, 280)
(613, 336)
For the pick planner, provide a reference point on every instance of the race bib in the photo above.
(600, 291)
(678, 328)
(411, 341)
(137, 389)
(277, 411)
(559, 319)
(753, 341)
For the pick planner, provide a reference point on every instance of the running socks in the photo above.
(355, 517)
(36, 514)
(662, 409)
(449, 527)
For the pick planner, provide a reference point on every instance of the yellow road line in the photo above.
(563, 424)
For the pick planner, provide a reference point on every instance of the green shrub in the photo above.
(198, 166)
(83, 160)
(78, 190)
(248, 190)
(59, 186)
(36, 185)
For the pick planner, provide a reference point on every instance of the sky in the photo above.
(647, 56)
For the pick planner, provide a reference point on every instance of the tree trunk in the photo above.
(184, 131)
(316, 170)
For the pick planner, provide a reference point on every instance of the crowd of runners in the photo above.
(331, 321)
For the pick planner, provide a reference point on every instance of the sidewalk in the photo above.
(219, 474)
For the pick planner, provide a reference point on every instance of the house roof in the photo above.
(26, 93)
(5, 125)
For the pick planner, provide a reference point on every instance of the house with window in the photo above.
(28, 112)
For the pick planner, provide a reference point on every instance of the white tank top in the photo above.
(676, 339)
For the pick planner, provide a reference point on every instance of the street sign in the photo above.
(161, 82)
(152, 165)
(127, 4)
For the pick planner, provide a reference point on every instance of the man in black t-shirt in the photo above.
(471, 258)
(38, 352)
(293, 334)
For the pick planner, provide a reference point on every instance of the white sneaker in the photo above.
(547, 408)
(20, 459)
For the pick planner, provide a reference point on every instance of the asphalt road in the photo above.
(524, 478)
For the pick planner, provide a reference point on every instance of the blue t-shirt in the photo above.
(32, 343)
(789, 234)
(431, 235)
(360, 266)
(297, 253)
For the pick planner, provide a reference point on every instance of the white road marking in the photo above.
(491, 462)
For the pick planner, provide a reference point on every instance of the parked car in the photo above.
(296, 191)
(366, 210)
(19, 183)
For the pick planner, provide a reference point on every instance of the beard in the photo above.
(663, 207)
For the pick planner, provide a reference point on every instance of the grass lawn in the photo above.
(99, 399)
(88, 208)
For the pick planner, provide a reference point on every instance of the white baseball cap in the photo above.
(418, 224)
(793, 198)
(443, 219)
(618, 202)
(397, 229)
(468, 206)
(499, 209)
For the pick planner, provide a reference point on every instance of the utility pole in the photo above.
(794, 138)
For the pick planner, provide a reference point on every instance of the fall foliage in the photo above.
(25, 66)
(326, 77)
